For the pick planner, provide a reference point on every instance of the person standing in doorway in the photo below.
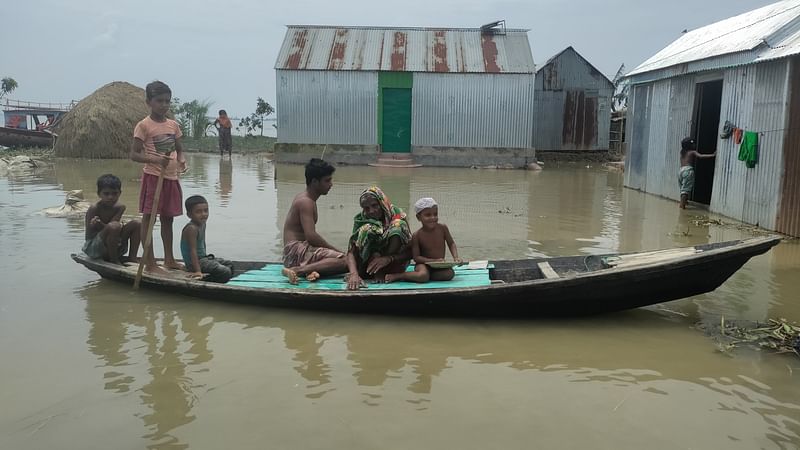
(223, 126)
(689, 156)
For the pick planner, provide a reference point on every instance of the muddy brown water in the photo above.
(87, 363)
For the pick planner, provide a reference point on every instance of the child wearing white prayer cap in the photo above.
(428, 245)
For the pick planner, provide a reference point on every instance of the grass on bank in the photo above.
(208, 144)
(241, 144)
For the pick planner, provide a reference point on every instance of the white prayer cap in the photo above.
(424, 203)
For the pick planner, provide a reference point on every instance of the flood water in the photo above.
(90, 364)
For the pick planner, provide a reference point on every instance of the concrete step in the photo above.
(402, 160)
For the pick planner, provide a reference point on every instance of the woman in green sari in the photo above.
(380, 240)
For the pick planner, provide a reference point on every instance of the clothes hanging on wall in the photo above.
(748, 151)
(727, 130)
(737, 135)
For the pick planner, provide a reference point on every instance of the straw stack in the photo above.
(101, 125)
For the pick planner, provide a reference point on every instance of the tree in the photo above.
(621, 88)
(263, 109)
(256, 120)
(178, 110)
(192, 116)
(7, 85)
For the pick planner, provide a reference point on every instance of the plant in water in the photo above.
(777, 335)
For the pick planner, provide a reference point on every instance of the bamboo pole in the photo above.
(148, 237)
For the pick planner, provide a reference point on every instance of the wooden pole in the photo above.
(148, 236)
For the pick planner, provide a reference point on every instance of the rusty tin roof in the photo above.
(464, 50)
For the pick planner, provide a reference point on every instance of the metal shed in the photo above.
(435, 94)
(573, 104)
(744, 70)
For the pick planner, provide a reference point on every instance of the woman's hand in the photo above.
(378, 263)
(354, 282)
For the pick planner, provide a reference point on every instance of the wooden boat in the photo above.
(31, 124)
(572, 285)
(14, 137)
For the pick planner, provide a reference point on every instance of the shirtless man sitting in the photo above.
(305, 252)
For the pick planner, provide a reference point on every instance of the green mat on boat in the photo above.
(270, 277)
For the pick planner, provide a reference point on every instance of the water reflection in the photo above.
(174, 346)
(225, 183)
(161, 351)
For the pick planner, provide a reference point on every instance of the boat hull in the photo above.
(579, 293)
(13, 137)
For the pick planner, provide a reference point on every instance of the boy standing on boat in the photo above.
(305, 252)
(427, 246)
(106, 236)
(157, 144)
(193, 245)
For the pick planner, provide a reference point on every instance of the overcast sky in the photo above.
(62, 50)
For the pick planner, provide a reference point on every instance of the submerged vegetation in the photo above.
(776, 335)
(705, 221)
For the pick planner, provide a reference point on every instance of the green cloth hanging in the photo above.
(748, 151)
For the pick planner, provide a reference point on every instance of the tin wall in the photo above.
(788, 220)
(573, 105)
(472, 110)
(638, 133)
(327, 107)
(754, 98)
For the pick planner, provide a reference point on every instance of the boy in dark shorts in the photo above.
(106, 236)
(193, 245)
(427, 245)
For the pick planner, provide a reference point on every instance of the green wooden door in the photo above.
(396, 131)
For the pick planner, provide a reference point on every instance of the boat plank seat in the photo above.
(547, 270)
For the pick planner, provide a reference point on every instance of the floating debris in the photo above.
(705, 221)
(74, 206)
(777, 335)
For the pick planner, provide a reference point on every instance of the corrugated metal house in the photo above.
(745, 70)
(446, 96)
(573, 104)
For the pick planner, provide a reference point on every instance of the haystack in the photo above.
(101, 125)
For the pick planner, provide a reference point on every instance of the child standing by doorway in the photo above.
(157, 144)
(689, 155)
